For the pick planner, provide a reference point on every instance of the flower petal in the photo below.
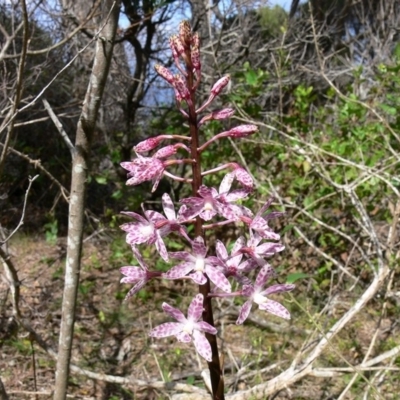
(135, 289)
(202, 345)
(244, 312)
(132, 274)
(275, 308)
(193, 207)
(174, 313)
(182, 255)
(269, 249)
(196, 308)
(179, 271)
(226, 183)
(218, 278)
(167, 329)
(184, 337)
(240, 242)
(134, 215)
(154, 216)
(207, 215)
(198, 277)
(168, 206)
(199, 248)
(284, 287)
(221, 251)
(139, 258)
(264, 275)
(160, 246)
(206, 327)
(205, 191)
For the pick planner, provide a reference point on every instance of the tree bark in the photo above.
(85, 130)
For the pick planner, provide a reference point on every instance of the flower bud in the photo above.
(185, 33)
(222, 114)
(176, 45)
(242, 131)
(220, 84)
(166, 151)
(217, 115)
(147, 145)
(172, 46)
(181, 87)
(195, 54)
(165, 73)
(178, 96)
(196, 40)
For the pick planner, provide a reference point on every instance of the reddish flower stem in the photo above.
(216, 375)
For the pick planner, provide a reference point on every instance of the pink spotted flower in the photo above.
(173, 222)
(137, 275)
(198, 267)
(259, 295)
(187, 329)
(258, 251)
(233, 265)
(144, 230)
(259, 223)
(143, 169)
(211, 202)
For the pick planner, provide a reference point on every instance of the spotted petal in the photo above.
(218, 278)
(206, 327)
(285, 287)
(168, 206)
(275, 308)
(202, 345)
(196, 308)
(132, 274)
(167, 329)
(244, 312)
(174, 313)
(179, 271)
(135, 288)
(199, 248)
(264, 275)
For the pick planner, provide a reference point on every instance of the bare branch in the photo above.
(59, 127)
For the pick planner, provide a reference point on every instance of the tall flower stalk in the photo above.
(207, 209)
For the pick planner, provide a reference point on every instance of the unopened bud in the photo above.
(195, 54)
(178, 96)
(147, 145)
(165, 73)
(185, 33)
(242, 131)
(181, 87)
(220, 84)
(222, 114)
(217, 115)
(166, 151)
(196, 40)
(176, 43)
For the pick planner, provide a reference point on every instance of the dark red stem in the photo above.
(216, 375)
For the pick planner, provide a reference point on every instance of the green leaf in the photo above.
(251, 77)
(291, 278)
(101, 180)
(390, 110)
(102, 316)
(190, 380)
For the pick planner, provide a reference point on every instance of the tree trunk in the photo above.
(85, 130)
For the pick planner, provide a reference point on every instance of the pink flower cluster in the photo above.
(247, 261)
